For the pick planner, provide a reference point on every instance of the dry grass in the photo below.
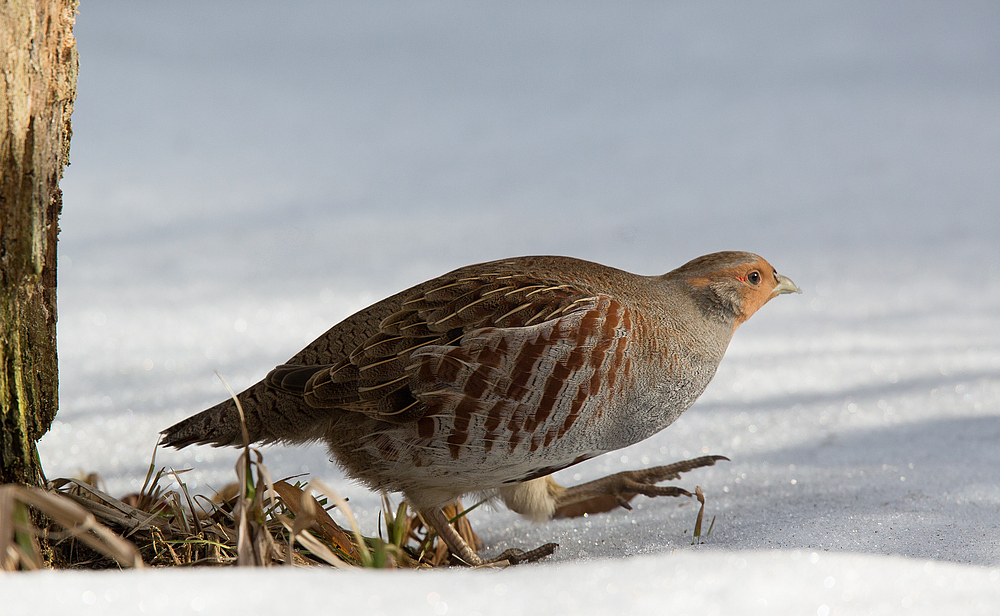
(19, 546)
(252, 522)
(697, 539)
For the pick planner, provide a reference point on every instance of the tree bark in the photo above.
(38, 69)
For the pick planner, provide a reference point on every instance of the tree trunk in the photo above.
(38, 69)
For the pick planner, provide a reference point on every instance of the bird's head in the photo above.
(733, 284)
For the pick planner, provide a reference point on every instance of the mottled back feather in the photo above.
(378, 377)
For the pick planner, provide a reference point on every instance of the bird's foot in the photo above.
(515, 556)
(617, 490)
(461, 552)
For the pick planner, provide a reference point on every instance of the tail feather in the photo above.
(271, 416)
(218, 426)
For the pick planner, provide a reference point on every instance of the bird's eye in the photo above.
(754, 277)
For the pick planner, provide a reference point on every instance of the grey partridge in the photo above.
(492, 377)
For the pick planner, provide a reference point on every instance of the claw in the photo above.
(515, 556)
(618, 490)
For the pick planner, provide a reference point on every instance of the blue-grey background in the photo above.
(245, 174)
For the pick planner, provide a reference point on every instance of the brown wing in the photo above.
(519, 384)
(374, 379)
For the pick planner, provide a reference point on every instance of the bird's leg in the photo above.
(436, 518)
(617, 490)
(460, 547)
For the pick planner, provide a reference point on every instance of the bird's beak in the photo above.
(785, 285)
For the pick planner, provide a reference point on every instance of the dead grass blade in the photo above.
(298, 533)
(301, 504)
(696, 536)
(109, 509)
(18, 545)
(16, 551)
(255, 546)
(364, 553)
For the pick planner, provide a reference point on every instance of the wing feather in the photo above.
(444, 351)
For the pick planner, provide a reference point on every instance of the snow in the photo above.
(773, 582)
(244, 176)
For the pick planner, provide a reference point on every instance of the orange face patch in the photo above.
(755, 290)
(758, 290)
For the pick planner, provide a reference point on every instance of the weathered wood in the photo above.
(38, 69)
